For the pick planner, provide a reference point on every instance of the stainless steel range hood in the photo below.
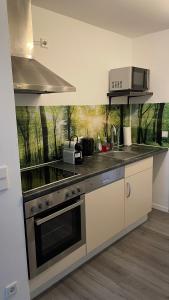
(29, 76)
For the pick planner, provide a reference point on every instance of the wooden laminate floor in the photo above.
(134, 268)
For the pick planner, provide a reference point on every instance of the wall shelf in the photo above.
(127, 93)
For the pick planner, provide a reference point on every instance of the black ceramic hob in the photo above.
(40, 176)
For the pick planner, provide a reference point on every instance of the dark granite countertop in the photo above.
(95, 165)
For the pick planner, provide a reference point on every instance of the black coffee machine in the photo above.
(87, 146)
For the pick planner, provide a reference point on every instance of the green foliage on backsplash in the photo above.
(148, 123)
(43, 130)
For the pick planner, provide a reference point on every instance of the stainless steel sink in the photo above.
(120, 154)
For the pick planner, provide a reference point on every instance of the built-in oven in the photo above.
(55, 227)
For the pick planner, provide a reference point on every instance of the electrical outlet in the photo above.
(43, 43)
(3, 172)
(10, 290)
(3, 178)
(165, 134)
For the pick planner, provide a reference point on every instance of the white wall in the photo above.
(152, 51)
(80, 53)
(12, 241)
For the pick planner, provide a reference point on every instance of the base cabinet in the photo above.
(114, 207)
(104, 214)
(138, 194)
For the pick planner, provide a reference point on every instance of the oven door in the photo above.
(53, 235)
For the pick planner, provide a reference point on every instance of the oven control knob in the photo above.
(40, 206)
(73, 192)
(47, 203)
(67, 195)
(78, 190)
(33, 209)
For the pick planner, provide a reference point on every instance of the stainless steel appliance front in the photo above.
(55, 232)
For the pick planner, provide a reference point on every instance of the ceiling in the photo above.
(131, 18)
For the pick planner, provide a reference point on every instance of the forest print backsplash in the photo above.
(42, 130)
(150, 124)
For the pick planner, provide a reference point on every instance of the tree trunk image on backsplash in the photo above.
(159, 123)
(23, 127)
(44, 134)
(121, 123)
(55, 119)
(69, 121)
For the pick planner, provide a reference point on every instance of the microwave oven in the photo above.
(129, 78)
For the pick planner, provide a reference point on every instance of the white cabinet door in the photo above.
(104, 214)
(138, 196)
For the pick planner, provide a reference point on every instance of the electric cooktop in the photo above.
(41, 176)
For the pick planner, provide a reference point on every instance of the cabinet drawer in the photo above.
(138, 166)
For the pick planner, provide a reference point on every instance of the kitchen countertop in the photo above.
(95, 165)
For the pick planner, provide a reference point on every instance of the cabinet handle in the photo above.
(128, 190)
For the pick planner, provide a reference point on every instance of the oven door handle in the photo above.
(58, 213)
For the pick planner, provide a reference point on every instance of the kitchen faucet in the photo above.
(115, 136)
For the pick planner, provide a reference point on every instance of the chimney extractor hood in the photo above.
(29, 76)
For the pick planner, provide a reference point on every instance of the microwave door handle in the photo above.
(58, 213)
